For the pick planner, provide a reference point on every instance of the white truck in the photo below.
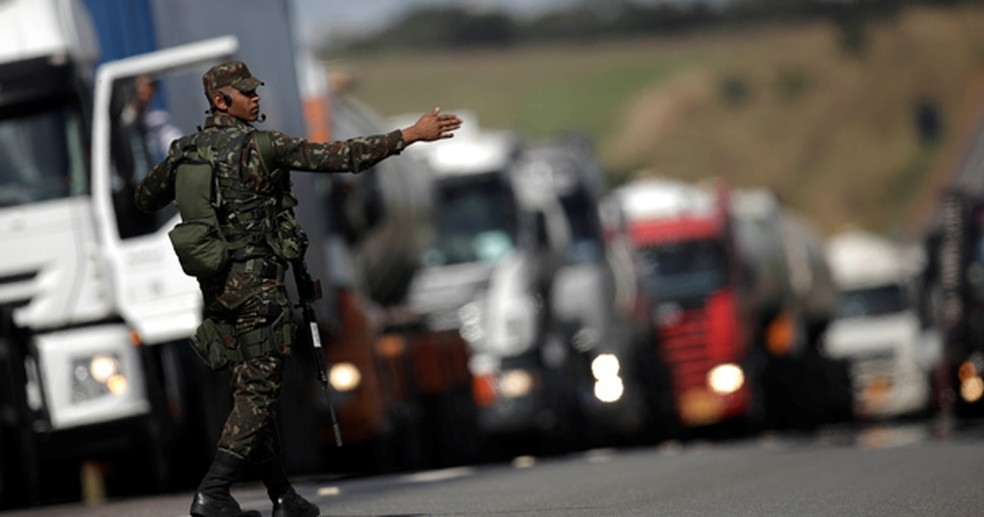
(519, 269)
(878, 328)
(80, 306)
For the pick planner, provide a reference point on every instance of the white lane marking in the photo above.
(328, 491)
(523, 462)
(599, 455)
(438, 475)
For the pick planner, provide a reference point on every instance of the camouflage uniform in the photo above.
(251, 294)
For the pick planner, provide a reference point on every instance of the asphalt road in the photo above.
(931, 468)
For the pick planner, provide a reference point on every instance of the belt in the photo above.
(262, 267)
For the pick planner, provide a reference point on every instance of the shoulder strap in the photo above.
(205, 155)
(265, 147)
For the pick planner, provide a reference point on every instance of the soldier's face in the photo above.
(245, 105)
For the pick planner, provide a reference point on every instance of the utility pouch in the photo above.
(288, 240)
(213, 342)
(198, 242)
(273, 338)
(200, 247)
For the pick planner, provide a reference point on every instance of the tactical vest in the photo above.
(225, 217)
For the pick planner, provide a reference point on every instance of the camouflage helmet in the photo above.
(230, 73)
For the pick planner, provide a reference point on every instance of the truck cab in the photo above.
(877, 326)
(691, 270)
(519, 270)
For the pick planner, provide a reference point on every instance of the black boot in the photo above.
(213, 498)
(291, 504)
(286, 501)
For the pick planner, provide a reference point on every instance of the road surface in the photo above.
(904, 469)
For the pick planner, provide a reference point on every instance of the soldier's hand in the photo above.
(432, 126)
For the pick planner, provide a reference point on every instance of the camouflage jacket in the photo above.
(229, 293)
(289, 153)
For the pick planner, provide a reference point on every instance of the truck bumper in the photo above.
(700, 406)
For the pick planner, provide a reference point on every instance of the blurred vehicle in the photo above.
(403, 390)
(475, 256)
(794, 299)
(954, 293)
(76, 383)
(878, 327)
(594, 337)
(740, 294)
(518, 270)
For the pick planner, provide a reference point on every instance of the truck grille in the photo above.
(881, 364)
(684, 347)
(18, 278)
(17, 289)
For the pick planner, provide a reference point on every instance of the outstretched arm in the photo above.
(432, 126)
(358, 154)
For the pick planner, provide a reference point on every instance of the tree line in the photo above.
(458, 27)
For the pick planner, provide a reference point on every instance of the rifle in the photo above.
(309, 291)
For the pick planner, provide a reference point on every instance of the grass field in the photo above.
(780, 106)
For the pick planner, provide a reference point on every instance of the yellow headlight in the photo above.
(515, 383)
(972, 389)
(345, 377)
(117, 384)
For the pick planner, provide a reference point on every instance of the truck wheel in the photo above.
(457, 432)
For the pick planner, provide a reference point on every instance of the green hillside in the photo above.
(787, 107)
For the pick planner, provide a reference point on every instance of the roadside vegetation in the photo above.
(850, 127)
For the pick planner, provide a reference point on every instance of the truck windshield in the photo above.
(684, 269)
(586, 239)
(41, 155)
(872, 301)
(476, 222)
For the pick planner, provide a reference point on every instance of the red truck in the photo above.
(740, 295)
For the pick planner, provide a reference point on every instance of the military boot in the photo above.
(291, 504)
(213, 498)
(286, 501)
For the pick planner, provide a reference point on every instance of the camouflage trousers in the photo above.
(252, 297)
(251, 426)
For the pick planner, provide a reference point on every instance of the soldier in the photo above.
(248, 323)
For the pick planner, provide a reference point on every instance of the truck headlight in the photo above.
(102, 367)
(608, 386)
(605, 366)
(344, 377)
(971, 385)
(609, 390)
(515, 383)
(96, 376)
(725, 379)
